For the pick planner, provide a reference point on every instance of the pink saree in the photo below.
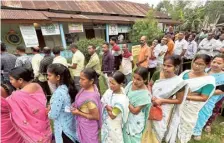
(8, 131)
(28, 113)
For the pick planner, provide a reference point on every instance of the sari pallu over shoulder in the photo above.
(28, 113)
(112, 128)
(190, 109)
(207, 109)
(86, 129)
(135, 124)
(168, 126)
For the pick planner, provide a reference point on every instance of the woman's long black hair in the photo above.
(65, 78)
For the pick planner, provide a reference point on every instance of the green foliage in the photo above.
(83, 45)
(191, 16)
(147, 26)
(213, 9)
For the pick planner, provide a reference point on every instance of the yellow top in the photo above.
(87, 106)
(116, 111)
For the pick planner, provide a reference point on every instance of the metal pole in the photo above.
(107, 32)
(62, 35)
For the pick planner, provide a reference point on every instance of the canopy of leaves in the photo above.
(213, 9)
(192, 14)
(145, 27)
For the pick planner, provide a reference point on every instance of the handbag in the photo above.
(156, 113)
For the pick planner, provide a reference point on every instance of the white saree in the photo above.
(190, 110)
(111, 131)
(167, 127)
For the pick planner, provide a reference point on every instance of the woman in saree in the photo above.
(217, 65)
(115, 110)
(87, 108)
(28, 107)
(169, 99)
(139, 105)
(8, 131)
(202, 86)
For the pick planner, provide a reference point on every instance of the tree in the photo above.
(213, 9)
(147, 26)
(191, 16)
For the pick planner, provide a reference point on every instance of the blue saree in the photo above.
(207, 109)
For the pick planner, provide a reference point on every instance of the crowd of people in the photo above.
(175, 91)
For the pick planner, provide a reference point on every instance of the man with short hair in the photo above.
(107, 60)
(220, 45)
(78, 61)
(36, 61)
(94, 62)
(152, 59)
(23, 60)
(160, 51)
(7, 63)
(180, 45)
(116, 52)
(44, 63)
(171, 32)
(208, 45)
(58, 58)
(144, 53)
(170, 45)
(190, 53)
(127, 63)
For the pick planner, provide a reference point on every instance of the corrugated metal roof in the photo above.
(22, 14)
(106, 7)
(45, 15)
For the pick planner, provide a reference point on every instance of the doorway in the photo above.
(40, 38)
(90, 33)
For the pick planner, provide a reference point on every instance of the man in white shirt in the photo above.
(127, 63)
(220, 46)
(180, 45)
(58, 58)
(207, 45)
(77, 65)
(160, 51)
(36, 61)
(190, 53)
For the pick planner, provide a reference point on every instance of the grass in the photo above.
(216, 135)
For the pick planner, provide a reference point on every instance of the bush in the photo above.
(83, 44)
(148, 27)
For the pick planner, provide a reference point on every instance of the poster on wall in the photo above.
(29, 35)
(123, 28)
(113, 29)
(13, 38)
(75, 27)
(50, 29)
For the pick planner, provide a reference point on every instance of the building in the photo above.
(59, 23)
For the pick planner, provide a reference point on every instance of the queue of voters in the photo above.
(171, 93)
